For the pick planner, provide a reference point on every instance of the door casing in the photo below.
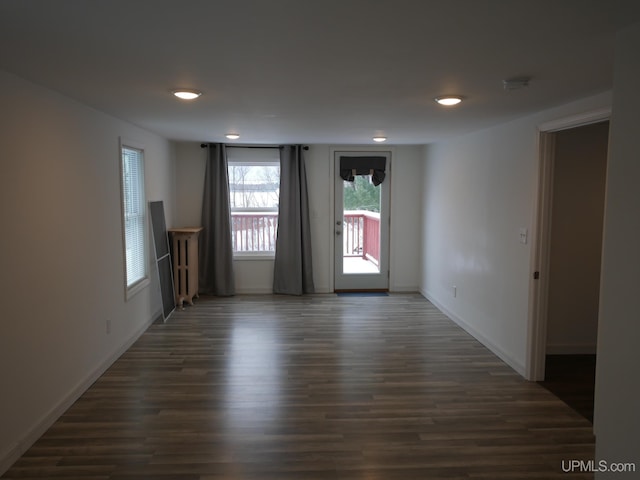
(361, 282)
(540, 251)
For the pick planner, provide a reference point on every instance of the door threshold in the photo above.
(374, 291)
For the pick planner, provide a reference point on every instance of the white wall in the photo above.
(62, 272)
(256, 276)
(189, 181)
(480, 190)
(617, 418)
(406, 218)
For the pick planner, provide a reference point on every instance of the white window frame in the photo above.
(141, 282)
(254, 156)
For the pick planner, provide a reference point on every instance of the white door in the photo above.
(361, 229)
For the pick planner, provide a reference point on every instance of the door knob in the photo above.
(338, 232)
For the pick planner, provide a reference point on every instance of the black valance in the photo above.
(352, 166)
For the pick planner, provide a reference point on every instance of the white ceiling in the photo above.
(314, 71)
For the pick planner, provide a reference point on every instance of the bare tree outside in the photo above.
(254, 186)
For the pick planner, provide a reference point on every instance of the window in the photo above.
(254, 192)
(134, 217)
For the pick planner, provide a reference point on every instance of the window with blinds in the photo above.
(134, 216)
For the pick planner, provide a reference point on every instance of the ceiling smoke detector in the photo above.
(516, 83)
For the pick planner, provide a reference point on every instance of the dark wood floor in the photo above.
(311, 388)
(572, 379)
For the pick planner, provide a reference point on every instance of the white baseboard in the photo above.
(403, 289)
(487, 342)
(571, 349)
(9, 457)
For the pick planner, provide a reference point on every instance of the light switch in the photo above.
(523, 235)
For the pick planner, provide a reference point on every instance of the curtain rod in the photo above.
(205, 145)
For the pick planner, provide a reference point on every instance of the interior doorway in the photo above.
(569, 252)
(577, 213)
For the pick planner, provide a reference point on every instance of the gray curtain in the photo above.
(215, 248)
(293, 273)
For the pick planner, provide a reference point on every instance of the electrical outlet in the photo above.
(455, 291)
(108, 325)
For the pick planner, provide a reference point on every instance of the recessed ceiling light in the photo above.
(379, 139)
(448, 100)
(186, 93)
(232, 136)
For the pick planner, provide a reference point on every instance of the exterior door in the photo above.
(361, 229)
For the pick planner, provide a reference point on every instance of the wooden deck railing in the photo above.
(254, 232)
(362, 235)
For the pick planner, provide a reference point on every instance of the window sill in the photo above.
(136, 288)
(254, 256)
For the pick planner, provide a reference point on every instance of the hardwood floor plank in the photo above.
(313, 387)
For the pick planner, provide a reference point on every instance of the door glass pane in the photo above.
(361, 227)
